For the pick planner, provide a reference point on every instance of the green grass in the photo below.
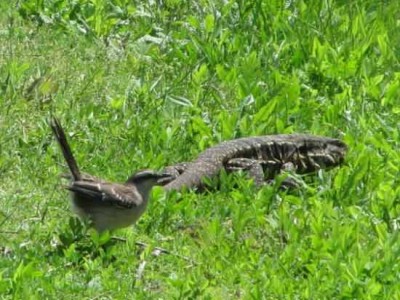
(146, 85)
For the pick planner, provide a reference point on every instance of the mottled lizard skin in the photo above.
(307, 153)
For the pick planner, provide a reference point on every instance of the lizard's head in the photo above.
(331, 154)
(337, 150)
(316, 155)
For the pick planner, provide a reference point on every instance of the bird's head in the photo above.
(144, 180)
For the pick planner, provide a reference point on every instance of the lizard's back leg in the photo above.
(263, 171)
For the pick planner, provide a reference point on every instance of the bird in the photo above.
(107, 205)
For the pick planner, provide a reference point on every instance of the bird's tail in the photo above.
(66, 150)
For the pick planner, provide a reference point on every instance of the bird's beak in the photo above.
(165, 178)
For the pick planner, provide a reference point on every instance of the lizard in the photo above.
(262, 156)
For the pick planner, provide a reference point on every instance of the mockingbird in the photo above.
(107, 205)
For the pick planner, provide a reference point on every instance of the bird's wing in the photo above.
(112, 193)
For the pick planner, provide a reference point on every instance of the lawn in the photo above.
(145, 84)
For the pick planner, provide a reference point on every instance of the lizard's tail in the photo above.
(66, 150)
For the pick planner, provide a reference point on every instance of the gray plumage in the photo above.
(107, 205)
